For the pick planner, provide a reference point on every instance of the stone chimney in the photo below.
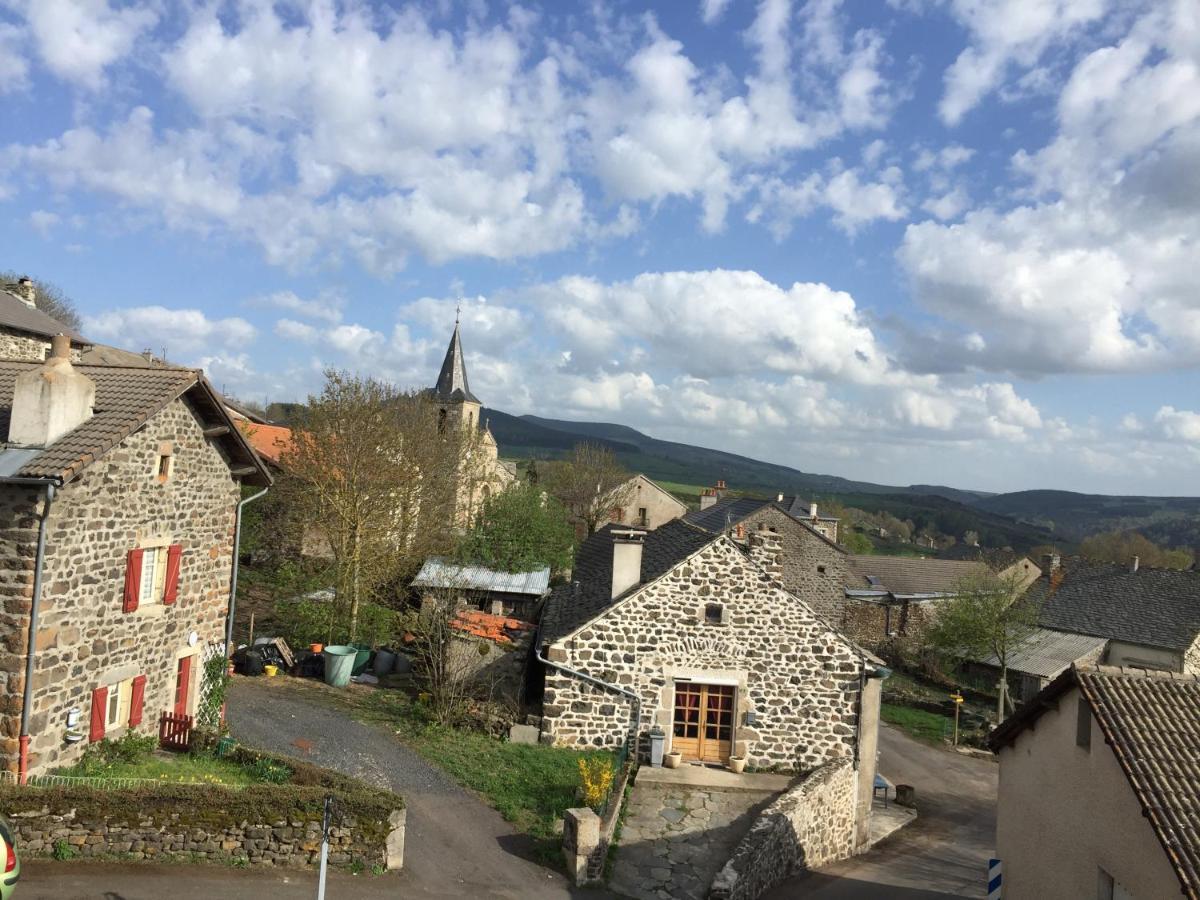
(779, 497)
(26, 291)
(1134, 564)
(627, 561)
(812, 510)
(708, 497)
(51, 400)
(1050, 563)
(765, 549)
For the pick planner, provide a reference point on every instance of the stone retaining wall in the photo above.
(809, 826)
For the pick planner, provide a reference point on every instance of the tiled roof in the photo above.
(125, 398)
(799, 507)
(1151, 720)
(908, 574)
(268, 441)
(662, 549)
(1156, 607)
(17, 314)
(499, 629)
(996, 559)
(723, 512)
(439, 573)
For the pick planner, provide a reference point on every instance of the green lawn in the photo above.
(176, 767)
(922, 725)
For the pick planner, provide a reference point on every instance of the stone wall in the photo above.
(813, 569)
(262, 825)
(808, 827)
(85, 640)
(642, 493)
(798, 677)
(884, 627)
(23, 345)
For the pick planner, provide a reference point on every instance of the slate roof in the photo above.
(729, 511)
(799, 507)
(662, 549)
(1155, 607)
(996, 559)
(17, 314)
(908, 575)
(125, 398)
(440, 573)
(452, 379)
(1151, 720)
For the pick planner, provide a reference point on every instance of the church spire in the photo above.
(452, 380)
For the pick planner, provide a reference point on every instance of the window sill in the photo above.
(151, 610)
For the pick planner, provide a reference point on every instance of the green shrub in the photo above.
(63, 851)
(212, 697)
(270, 771)
(304, 622)
(130, 748)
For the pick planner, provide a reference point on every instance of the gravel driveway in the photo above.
(455, 845)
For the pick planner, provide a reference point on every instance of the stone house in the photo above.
(795, 506)
(641, 503)
(1149, 617)
(814, 565)
(692, 634)
(26, 331)
(1098, 784)
(119, 492)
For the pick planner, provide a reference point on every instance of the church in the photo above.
(483, 474)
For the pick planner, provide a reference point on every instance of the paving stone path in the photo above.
(675, 838)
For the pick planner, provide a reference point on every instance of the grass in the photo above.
(174, 767)
(917, 723)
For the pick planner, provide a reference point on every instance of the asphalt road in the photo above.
(943, 854)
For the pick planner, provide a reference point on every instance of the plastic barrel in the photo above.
(339, 662)
(384, 660)
(362, 656)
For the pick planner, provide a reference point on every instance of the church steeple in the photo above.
(452, 383)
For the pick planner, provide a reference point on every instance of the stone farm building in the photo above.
(691, 633)
(119, 486)
(643, 504)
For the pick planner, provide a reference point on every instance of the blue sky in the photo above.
(941, 241)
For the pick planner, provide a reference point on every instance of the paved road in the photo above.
(455, 845)
(943, 854)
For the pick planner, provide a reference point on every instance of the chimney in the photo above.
(627, 561)
(1134, 563)
(51, 400)
(779, 497)
(26, 291)
(1050, 563)
(812, 510)
(765, 550)
(708, 497)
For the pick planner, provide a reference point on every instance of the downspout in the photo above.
(35, 606)
(635, 701)
(237, 542)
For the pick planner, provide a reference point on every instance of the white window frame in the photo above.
(120, 693)
(153, 582)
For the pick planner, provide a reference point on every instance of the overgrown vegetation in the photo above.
(520, 529)
(589, 483)
(212, 697)
(1122, 546)
(304, 621)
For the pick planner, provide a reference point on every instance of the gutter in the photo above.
(635, 701)
(48, 491)
(233, 580)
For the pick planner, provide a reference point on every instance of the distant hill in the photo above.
(1171, 521)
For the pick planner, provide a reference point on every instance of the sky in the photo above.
(914, 241)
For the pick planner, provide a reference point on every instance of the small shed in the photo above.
(516, 594)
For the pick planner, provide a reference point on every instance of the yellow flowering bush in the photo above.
(596, 778)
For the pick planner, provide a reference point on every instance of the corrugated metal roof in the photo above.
(439, 573)
(1046, 653)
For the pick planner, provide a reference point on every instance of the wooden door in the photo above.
(183, 679)
(703, 726)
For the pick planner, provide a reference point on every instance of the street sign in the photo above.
(995, 876)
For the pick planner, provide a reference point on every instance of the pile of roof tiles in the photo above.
(500, 629)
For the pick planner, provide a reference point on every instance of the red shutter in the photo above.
(133, 580)
(136, 696)
(99, 708)
(171, 588)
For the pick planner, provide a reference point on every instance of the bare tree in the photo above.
(48, 297)
(590, 483)
(446, 658)
(371, 470)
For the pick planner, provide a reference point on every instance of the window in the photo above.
(714, 613)
(154, 575)
(1083, 725)
(117, 704)
(113, 716)
(820, 570)
(643, 516)
(166, 461)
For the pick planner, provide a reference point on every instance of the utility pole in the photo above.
(324, 847)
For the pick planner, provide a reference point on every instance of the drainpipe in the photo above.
(48, 489)
(635, 701)
(233, 580)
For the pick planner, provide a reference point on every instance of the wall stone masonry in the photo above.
(797, 680)
(85, 640)
(810, 826)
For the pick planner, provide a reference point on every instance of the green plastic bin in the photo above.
(362, 655)
(339, 664)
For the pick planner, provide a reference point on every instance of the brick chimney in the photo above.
(51, 400)
(765, 550)
(627, 561)
(708, 497)
(26, 292)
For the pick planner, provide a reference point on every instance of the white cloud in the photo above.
(14, 64)
(180, 331)
(712, 10)
(291, 330)
(326, 308)
(78, 39)
(1178, 424)
(853, 197)
(43, 221)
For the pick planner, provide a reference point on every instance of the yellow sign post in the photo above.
(958, 702)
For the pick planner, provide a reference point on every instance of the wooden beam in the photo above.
(244, 470)
(216, 431)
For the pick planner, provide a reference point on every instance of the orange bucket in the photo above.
(316, 648)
